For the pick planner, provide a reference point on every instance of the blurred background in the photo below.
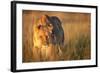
(77, 33)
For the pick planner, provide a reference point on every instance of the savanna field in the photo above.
(77, 35)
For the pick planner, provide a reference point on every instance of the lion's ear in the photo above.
(43, 19)
(34, 20)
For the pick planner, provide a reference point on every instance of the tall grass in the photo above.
(77, 39)
(77, 49)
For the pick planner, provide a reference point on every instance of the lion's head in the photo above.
(43, 32)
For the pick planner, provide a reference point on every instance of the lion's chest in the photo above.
(48, 52)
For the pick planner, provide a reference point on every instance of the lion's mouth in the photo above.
(48, 40)
(45, 46)
(45, 43)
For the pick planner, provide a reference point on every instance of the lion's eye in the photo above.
(50, 25)
(39, 26)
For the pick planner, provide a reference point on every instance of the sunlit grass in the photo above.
(77, 42)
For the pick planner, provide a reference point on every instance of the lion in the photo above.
(48, 38)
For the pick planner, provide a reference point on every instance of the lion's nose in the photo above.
(47, 37)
